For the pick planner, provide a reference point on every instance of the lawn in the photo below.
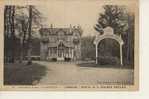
(22, 74)
(105, 66)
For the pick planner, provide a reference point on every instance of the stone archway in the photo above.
(108, 33)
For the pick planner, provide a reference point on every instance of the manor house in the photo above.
(60, 43)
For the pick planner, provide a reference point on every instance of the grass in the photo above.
(22, 74)
(104, 66)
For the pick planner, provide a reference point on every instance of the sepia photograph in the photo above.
(75, 45)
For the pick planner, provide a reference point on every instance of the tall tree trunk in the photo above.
(5, 35)
(9, 30)
(29, 36)
(21, 50)
(22, 40)
(129, 38)
(13, 34)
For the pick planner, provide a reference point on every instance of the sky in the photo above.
(62, 14)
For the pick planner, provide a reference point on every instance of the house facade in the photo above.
(60, 43)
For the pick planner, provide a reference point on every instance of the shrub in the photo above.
(108, 60)
(67, 59)
(54, 59)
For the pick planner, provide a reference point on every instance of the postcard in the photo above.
(61, 45)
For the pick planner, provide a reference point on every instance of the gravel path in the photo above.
(70, 73)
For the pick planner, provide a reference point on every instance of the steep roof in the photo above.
(55, 31)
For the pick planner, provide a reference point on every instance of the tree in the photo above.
(115, 17)
(20, 26)
(122, 21)
(34, 20)
(88, 48)
(26, 23)
(29, 35)
(9, 33)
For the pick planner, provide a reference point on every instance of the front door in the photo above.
(61, 53)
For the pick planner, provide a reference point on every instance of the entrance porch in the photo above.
(61, 53)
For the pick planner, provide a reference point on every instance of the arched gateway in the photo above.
(108, 33)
